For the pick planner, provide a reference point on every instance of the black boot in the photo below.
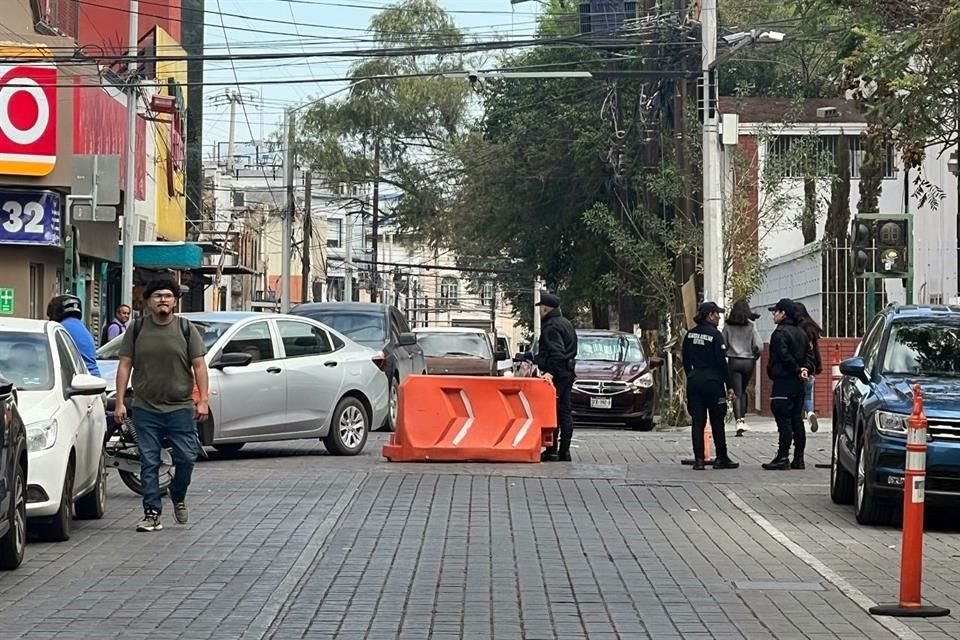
(798, 462)
(724, 462)
(549, 455)
(698, 464)
(564, 454)
(780, 463)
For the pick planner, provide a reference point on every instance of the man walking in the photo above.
(557, 359)
(788, 368)
(116, 326)
(166, 355)
(705, 365)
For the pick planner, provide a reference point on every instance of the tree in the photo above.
(397, 128)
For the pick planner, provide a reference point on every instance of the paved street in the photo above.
(288, 542)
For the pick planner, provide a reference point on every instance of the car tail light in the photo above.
(381, 361)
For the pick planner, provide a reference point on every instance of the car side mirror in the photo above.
(501, 356)
(86, 385)
(855, 367)
(407, 339)
(655, 362)
(232, 360)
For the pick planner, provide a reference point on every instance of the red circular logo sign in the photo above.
(28, 119)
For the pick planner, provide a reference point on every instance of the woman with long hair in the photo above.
(813, 332)
(744, 347)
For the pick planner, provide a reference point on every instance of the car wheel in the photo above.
(394, 406)
(60, 526)
(93, 505)
(868, 508)
(12, 545)
(348, 429)
(644, 424)
(842, 483)
(229, 447)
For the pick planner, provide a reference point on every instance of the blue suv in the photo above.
(902, 346)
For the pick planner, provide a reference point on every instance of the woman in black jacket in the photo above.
(813, 332)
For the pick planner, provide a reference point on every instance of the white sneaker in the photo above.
(812, 421)
(741, 427)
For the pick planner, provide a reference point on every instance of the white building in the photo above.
(802, 272)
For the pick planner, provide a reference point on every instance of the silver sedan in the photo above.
(281, 377)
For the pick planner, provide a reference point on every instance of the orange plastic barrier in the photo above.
(460, 419)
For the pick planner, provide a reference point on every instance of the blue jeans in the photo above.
(177, 428)
(808, 394)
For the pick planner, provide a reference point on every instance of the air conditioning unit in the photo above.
(827, 112)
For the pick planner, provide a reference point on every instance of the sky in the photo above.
(308, 26)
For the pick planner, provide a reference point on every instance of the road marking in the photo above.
(858, 597)
(274, 611)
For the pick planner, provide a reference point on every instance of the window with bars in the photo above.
(799, 156)
(488, 294)
(449, 292)
(334, 233)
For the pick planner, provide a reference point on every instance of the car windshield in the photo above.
(465, 345)
(25, 360)
(610, 348)
(369, 329)
(210, 332)
(923, 349)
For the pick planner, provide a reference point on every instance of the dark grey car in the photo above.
(378, 326)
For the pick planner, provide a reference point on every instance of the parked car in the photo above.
(14, 468)
(506, 366)
(280, 377)
(381, 327)
(903, 345)
(62, 406)
(459, 351)
(614, 380)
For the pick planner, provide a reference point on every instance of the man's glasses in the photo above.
(162, 296)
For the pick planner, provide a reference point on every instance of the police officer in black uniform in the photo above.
(705, 363)
(557, 359)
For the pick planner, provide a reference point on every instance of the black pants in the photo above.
(786, 403)
(740, 374)
(564, 387)
(706, 398)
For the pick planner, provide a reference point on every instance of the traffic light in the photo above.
(892, 242)
(861, 246)
(880, 245)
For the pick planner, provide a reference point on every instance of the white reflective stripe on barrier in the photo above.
(917, 436)
(469, 422)
(526, 425)
(916, 461)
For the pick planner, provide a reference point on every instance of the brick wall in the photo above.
(830, 350)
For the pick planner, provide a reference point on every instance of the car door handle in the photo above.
(274, 370)
(330, 363)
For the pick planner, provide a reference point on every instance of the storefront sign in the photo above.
(30, 217)
(28, 114)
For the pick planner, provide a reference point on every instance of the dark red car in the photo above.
(614, 380)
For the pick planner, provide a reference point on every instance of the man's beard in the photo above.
(163, 311)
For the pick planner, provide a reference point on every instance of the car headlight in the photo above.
(891, 424)
(643, 382)
(41, 435)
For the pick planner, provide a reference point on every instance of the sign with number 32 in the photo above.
(29, 217)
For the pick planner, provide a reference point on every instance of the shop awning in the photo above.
(180, 256)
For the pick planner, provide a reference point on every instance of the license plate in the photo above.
(601, 403)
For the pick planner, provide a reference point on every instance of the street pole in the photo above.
(536, 311)
(348, 258)
(130, 184)
(713, 265)
(305, 282)
(375, 272)
(289, 129)
(233, 98)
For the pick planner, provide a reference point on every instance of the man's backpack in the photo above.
(184, 329)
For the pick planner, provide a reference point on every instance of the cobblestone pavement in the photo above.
(288, 542)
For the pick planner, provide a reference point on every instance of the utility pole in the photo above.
(713, 265)
(348, 258)
(233, 97)
(305, 282)
(375, 275)
(493, 310)
(537, 283)
(288, 169)
(130, 182)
